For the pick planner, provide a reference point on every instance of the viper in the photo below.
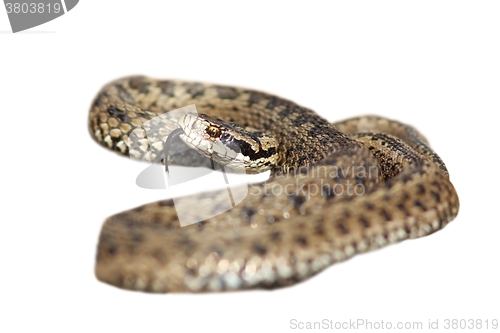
(335, 189)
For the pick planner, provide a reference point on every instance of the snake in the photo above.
(335, 189)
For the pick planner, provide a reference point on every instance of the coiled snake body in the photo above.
(351, 187)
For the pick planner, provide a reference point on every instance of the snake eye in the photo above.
(213, 131)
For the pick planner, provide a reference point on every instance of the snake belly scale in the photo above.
(351, 187)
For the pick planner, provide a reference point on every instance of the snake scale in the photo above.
(351, 187)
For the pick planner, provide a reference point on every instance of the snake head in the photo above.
(227, 143)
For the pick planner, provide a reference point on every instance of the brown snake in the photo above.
(351, 187)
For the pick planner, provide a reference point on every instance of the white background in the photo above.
(432, 64)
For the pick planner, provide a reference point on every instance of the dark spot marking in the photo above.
(343, 230)
(275, 235)
(402, 207)
(287, 111)
(112, 250)
(319, 230)
(139, 84)
(420, 189)
(113, 111)
(385, 215)
(301, 240)
(364, 222)
(247, 213)
(259, 249)
(420, 205)
(124, 94)
(301, 119)
(195, 89)
(297, 200)
(436, 184)
(167, 87)
(315, 131)
(226, 92)
(325, 140)
(436, 196)
(273, 102)
(369, 206)
(158, 220)
(255, 97)
(97, 100)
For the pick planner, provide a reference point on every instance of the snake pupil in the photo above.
(213, 131)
